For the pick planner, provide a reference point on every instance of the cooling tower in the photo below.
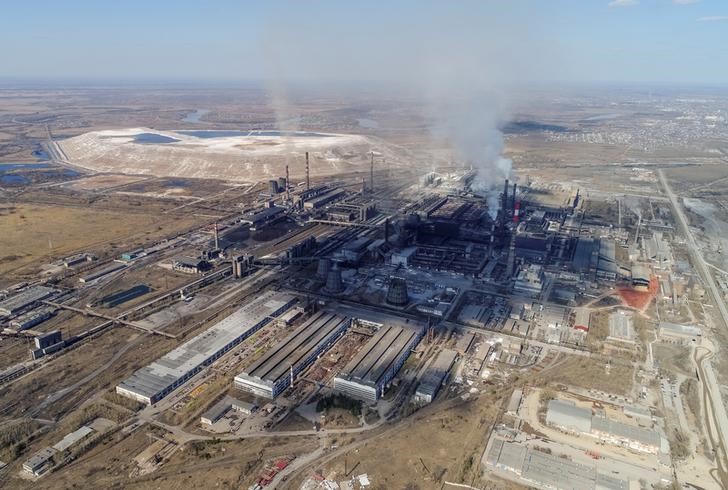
(397, 292)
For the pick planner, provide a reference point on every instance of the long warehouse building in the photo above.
(366, 376)
(273, 372)
(435, 376)
(152, 383)
(15, 304)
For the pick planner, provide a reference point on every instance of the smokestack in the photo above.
(308, 179)
(511, 257)
(504, 202)
(288, 186)
(363, 185)
(217, 243)
(371, 175)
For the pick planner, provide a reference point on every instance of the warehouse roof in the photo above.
(667, 328)
(293, 349)
(640, 273)
(72, 438)
(263, 214)
(164, 372)
(436, 372)
(556, 472)
(567, 414)
(373, 360)
(645, 436)
(25, 298)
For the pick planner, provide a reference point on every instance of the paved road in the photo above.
(694, 248)
(716, 413)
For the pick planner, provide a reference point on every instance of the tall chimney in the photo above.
(513, 206)
(371, 175)
(504, 202)
(217, 243)
(308, 179)
(288, 185)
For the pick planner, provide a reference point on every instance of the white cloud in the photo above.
(713, 18)
(623, 3)
(684, 2)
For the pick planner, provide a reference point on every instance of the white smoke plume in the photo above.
(460, 60)
(470, 123)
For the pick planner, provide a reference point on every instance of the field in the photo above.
(590, 373)
(30, 232)
(443, 441)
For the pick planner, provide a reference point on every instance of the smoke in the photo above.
(469, 123)
(461, 62)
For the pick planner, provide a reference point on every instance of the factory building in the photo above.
(40, 462)
(258, 219)
(121, 297)
(403, 257)
(270, 375)
(190, 265)
(640, 277)
(544, 470)
(568, 417)
(367, 374)
(98, 273)
(355, 249)
(464, 342)
(73, 438)
(596, 257)
(18, 302)
(323, 200)
(672, 332)
(77, 259)
(242, 264)
(435, 376)
(48, 339)
(222, 407)
(31, 318)
(303, 248)
(133, 254)
(530, 280)
(152, 383)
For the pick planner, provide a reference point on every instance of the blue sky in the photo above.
(671, 41)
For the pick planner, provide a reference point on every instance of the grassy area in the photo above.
(673, 358)
(442, 441)
(54, 231)
(598, 328)
(590, 373)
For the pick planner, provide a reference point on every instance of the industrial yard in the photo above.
(213, 303)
